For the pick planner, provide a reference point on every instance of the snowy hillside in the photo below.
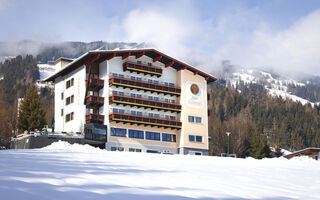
(45, 70)
(63, 171)
(276, 85)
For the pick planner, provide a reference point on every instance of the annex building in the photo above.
(133, 100)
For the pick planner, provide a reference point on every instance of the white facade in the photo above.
(190, 137)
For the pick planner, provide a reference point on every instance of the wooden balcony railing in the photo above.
(145, 120)
(146, 103)
(143, 85)
(94, 118)
(94, 101)
(95, 84)
(142, 68)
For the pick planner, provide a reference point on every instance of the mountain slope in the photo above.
(277, 85)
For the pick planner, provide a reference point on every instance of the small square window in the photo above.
(190, 118)
(191, 138)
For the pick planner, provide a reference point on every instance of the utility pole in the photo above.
(228, 133)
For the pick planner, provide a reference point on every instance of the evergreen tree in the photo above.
(31, 114)
(259, 147)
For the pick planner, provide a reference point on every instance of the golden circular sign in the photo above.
(194, 89)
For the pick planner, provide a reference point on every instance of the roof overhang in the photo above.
(101, 56)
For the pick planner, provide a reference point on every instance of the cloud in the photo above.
(162, 30)
(293, 49)
(242, 36)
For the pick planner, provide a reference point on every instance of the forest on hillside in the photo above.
(253, 113)
(18, 75)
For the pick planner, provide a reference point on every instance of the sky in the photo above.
(281, 34)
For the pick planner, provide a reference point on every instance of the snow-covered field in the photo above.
(76, 172)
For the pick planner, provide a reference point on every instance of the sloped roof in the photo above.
(100, 56)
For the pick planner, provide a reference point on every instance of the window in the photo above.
(72, 82)
(149, 81)
(68, 101)
(173, 101)
(121, 75)
(134, 150)
(133, 78)
(152, 135)
(150, 97)
(139, 95)
(156, 115)
(133, 112)
(192, 138)
(121, 93)
(150, 64)
(194, 119)
(120, 149)
(115, 74)
(113, 148)
(167, 116)
(119, 132)
(115, 110)
(68, 117)
(198, 138)
(166, 100)
(156, 82)
(171, 84)
(133, 94)
(166, 137)
(139, 62)
(72, 115)
(150, 114)
(61, 95)
(172, 117)
(138, 78)
(114, 92)
(117, 149)
(139, 113)
(136, 134)
(166, 83)
(156, 98)
(191, 118)
(121, 110)
(61, 112)
(195, 138)
(68, 84)
(72, 98)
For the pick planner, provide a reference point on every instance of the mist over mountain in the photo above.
(46, 51)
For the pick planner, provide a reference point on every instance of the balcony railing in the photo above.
(94, 118)
(95, 84)
(146, 103)
(143, 85)
(145, 120)
(94, 101)
(141, 68)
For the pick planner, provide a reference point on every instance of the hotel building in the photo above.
(133, 100)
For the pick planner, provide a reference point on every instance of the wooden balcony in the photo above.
(95, 84)
(143, 85)
(94, 101)
(94, 118)
(145, 120)
(145, 103)
(142, 68)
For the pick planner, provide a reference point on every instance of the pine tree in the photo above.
(31, 114)
(259, 147)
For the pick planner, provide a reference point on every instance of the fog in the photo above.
(203, 37)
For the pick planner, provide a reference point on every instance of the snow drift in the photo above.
(65, 171)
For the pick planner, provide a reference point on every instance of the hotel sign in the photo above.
(194, 94)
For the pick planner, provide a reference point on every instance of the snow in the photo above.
(275, 86)
(45, 70)
(64, 171)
